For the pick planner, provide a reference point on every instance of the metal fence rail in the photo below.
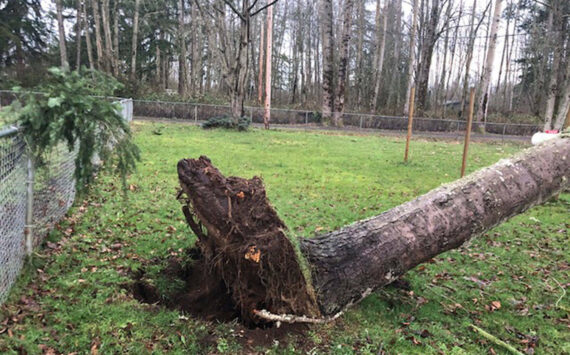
(33, 199)
(202, 112)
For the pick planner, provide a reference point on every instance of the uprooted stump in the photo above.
(243, 241)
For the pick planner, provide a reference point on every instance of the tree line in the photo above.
(326, 55)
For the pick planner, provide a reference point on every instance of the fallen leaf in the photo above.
(253, 254)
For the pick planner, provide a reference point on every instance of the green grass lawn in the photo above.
(74, 297)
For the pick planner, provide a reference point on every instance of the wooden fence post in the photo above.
(410, 121)
(468, 131)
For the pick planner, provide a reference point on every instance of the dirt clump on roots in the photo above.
(242, 261)
(242, 243)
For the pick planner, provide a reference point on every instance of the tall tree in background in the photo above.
(412, 59)
(326, 22)
(61, 32)
(182, 65)
(268, 56)
(134, 42)
(488, 69)
(343, 63)
(380, 49)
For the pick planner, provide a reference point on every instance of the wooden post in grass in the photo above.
(410, 121)
(468, 131)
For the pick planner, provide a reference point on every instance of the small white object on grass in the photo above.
(540, 137)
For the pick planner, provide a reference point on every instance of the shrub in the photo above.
(227, 122)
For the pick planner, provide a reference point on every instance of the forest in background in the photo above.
(326, 55)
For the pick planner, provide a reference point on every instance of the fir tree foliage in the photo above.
(74, 108)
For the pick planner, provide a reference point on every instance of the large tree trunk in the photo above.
(243, 243)
(98, 39)
(134, 42)
(61, 31)
(426, 54)
(268, 61)
(343, 64)
(412, 59)
(486, 77)
(182, 67)
(105, 13)
(87, 36)
(380, 49)
(326, 19)
(78, 29)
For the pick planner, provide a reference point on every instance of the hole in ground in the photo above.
(185, 285)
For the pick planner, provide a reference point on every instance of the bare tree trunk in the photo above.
(564, 104)
(412, 60)
(78, 28)
(343, 64)
(440, 92)
(260, 74)
(61, 31)
(427, 46)
(268, 57)
(98, 39)
(134, 42)
(158, 63)
(359, 53)
(509, 63)
(380, 49)
(486, 78)
(504, 55)
(116, 38)
(326, 21)
(108, 40)
(394, 92)
(556, 47)
(182, 65)
(88, 36)
(348, 264)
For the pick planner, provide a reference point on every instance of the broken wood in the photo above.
(244, 242)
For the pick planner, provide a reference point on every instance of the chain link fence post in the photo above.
(29, 227)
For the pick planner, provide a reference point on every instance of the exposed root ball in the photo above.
(243, 241)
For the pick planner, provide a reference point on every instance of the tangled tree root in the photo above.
(243, 243)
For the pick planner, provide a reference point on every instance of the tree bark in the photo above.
(116, 38)
(380, 49)
(88, 36)
(98, 39)
(134, 42)
(105, 11)
(78, 29)
(557, 44)
(268, 57)
(182, 65)
(61, 31)
(343, 64)
(412, 59)
(486, 77)
(243, 241)
(326, 19)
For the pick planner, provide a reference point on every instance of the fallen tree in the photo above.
(243, 241)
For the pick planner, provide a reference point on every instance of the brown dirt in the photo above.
(203, 297)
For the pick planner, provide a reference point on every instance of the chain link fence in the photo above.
(33, 199)
(202, 112)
